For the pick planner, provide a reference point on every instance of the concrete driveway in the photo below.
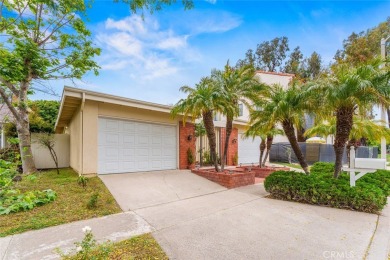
(143, 189)
(197, 219)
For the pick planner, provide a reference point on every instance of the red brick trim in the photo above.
(234, 180)
(184, 143)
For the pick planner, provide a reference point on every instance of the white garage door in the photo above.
(128, 146)
(248, 150)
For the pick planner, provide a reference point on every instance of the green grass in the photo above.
(140, 247)
(70, 205)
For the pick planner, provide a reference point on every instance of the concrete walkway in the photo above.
(219, 224)
(41, 244)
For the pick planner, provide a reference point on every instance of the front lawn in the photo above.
(70, 205)
(139, 247)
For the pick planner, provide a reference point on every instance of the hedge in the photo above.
(320, 188)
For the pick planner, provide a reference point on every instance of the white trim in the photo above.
(136, 120)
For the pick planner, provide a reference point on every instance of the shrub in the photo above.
(13, 200)
(190, 157)
(322, 167)
(323, 189)
(380, 178)
(82, 180)
(92, 203)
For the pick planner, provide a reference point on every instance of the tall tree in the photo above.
(293, 64)
(362, 47)
(237, 86)
(271, 54)
(311, 67)
(201, 101)
(349, 90)
(44, 40)
(285, 107)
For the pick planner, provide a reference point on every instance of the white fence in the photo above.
(42, 157)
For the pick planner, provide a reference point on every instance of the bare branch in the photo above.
(56, 28)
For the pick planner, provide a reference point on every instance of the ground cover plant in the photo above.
(70, 205)
(320, 188)
(13, 199)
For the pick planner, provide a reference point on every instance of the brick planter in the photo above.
(264, 171)
(238, 178)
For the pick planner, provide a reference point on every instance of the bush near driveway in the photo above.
(320, 188)
(70, 205)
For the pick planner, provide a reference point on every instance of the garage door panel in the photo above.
(128, 153)
(156, 140)
(142, 128)
(111, 139)
(112, 125)
(128, 127)
(248, 149)
(128, 140)
(128, 146)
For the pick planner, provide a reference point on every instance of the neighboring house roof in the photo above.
(72, 98)
(5, 114)
(275, 73)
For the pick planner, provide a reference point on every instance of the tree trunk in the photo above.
(289, 130)
(229, 128)
(388, 116)
(270, 140)
(262, 148)
(23, 129)
(201, 151)
(300, 136)
(209, 125)
(344, 121)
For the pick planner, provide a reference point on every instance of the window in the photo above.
(216, 116)
(240, 109)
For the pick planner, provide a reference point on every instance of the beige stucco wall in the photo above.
(90, 137)
(87, 162)
(74, 130)
(42, 156)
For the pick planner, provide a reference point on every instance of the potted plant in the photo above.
(190, 158)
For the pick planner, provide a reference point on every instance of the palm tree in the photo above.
(201, 101)
(267, 137)
(287, 108)
(252, 132)
(237, 86)
(362, 127)
(270, 138)
(347, 91)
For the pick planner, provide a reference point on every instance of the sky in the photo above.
(150, 58)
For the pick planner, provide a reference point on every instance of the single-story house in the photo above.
(113, 134)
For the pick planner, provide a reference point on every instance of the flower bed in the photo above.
(229, 178)
(263, 172)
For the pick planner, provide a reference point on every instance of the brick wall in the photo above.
(184, 143)
(233, 147)
(237, 179)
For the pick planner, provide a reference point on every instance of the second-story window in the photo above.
(216, 116)
(240, 109)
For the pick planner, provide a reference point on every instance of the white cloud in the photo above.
(144, 49)
(141, 50)
(212, 1)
